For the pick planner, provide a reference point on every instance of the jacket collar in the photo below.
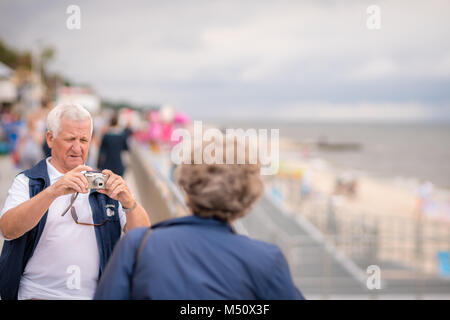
(44, 169)
(38, 171)
(195, 220)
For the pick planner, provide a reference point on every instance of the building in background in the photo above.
(82, 95)
(8, 88)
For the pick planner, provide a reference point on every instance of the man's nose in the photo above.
(76, 146)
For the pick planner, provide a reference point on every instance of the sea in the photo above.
(416, 152)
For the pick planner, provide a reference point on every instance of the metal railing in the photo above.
(412, 242)
(318, 267)
(405, 248)
(159, 196)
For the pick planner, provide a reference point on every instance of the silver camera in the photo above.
(96, 179)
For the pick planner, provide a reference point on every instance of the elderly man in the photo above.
(51, 255)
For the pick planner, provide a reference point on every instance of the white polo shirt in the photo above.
(65, 263)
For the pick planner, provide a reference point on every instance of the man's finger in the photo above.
(117, 191)
(82, 168)
(81, 184)
(113, 185)
(77, 178)
(82, 179)
(74, 187)
(112, 192)
(111, 181)
(106, 171)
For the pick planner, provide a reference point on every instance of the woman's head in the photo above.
(220, 191)
(114, 121)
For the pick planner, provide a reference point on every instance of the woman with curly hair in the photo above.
(200, 256)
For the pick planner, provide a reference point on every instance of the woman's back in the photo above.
(198, 258)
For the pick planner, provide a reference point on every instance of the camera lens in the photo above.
(98, 183)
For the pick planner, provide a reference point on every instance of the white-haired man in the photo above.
(49, 254)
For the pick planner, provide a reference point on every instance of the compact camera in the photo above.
(96, 179)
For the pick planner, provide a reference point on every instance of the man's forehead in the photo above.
(75, 126)
(69, 121)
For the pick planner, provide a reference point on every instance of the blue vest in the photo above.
(17, 252)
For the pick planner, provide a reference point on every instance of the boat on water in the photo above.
(324, 144)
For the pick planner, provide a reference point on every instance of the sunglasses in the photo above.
(73, 212)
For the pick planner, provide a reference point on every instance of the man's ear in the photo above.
(50, 138)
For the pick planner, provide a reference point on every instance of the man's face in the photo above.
(71, 145)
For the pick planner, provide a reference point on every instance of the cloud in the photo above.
(376, 69)
(219, 57)
(324, 111)
(361, 111)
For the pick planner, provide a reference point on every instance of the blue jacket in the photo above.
(17, 252)
(196, 258)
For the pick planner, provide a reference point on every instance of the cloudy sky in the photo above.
(290, 60)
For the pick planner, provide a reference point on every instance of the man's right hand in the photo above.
(73, 181)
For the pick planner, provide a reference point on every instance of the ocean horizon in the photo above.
(418, 151)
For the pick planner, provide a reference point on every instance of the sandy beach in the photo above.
(387, 205)
(383, 196)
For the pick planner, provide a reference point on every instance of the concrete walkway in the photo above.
(7, 174)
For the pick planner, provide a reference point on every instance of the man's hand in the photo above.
(73, 181)
(117, 189)
(24, 217)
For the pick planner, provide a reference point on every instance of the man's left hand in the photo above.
(117, 189)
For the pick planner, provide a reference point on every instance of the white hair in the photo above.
(71, 111)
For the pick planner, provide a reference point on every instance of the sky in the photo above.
(269, 60)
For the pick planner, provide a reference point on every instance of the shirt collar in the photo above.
(53, 173)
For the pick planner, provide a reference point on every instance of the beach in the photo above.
(387, 207)
(381, 196)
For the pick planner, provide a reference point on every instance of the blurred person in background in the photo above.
(29, 145)
(153, 134)
(49, 254)
(114, 142)
(200, 256)
(424, 193)
(11, 125)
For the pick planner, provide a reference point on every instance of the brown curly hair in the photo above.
(221, 191)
